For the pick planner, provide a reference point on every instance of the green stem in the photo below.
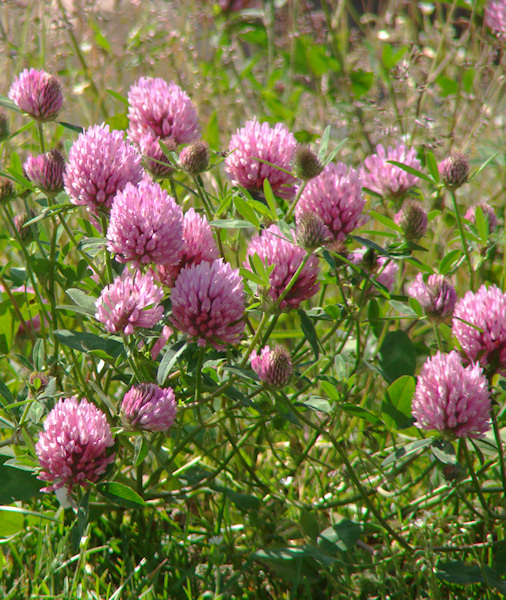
(198, 374)
(354, 477)
(476, 483)
(498, 440)
(40, 131)
(438, 338)
(293, 205)
(255, 339)
(463, 238)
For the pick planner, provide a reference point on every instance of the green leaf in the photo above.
(120, 494)
(231, 224)
(396, 405)
(74, 128)
(446, 264)
(7, 323)
(87, 342)
(169, 359)
(141, 449)
(410, 170)
(269, 198)
(480, 169)
(361, 413)
(386, 221)
(6, 393)
(405, 453)
(117, 96)
(80, 523)
(212, 131)
(403, 308)
(324, 143)
(432, 166)
(316, 403)
(449, 87)
(481, 223)
(361, 82)
(11, 522)
(397, 356)
(444, 451)
(340, 537)
(16, 484)
(309, 332)
(391, 58)
(83, 300)
(416, 307)
(7, 103)
(464, 573)
(38, 355)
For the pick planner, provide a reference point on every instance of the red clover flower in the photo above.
(73, 448)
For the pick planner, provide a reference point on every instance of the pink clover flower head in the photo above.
(255, 143)
(274, 367)
(73, 448)
(336, 197)
(495, 16)
(484, 338)
(488, 213)
(208, 303)
(273, 249)
(454, 170)
(382, 269)
(436, 296)
(46, 171)
(154, 158)
(146, 225)
(163, 110)
(100, 164)
(199, 245)
(389, 180)
(452, 398)
(38, 94)
(130, 301)
(149, 407)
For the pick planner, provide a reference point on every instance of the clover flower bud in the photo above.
(46, 171)
(306, 164)
(194, 159)
(454, 170)
(412, 218)
(311, 231)
(274, 367)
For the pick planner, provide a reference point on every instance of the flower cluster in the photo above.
(386, 179)
(130, 301)
(452, 398)
(38, 94)
(73, 448)
(336, 197)
(495, 16)
(436, 296)
(146, 225)
(488, 213)
(46, 171)
(149, 407)
(100, 164)
(208, 303)
(198, 246)
(274, 367)
(162, 110)
(255, 145)
(273, 249)
(479, 324)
